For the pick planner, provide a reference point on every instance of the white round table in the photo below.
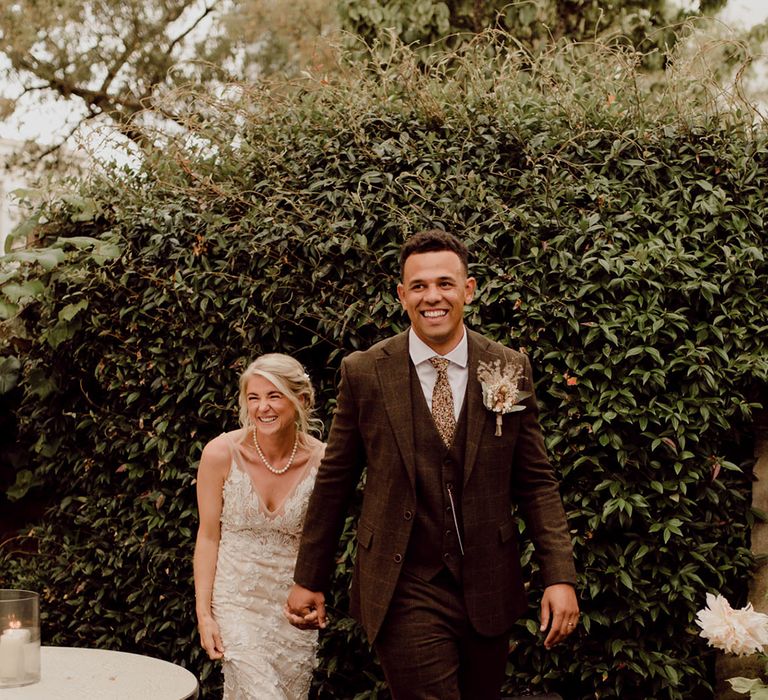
(67, 673)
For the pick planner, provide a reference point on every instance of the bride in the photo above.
(253, 485)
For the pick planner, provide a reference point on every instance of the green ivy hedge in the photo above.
(618, 237)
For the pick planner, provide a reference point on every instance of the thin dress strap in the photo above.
(232, 453)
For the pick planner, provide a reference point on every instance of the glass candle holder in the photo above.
(19, 638)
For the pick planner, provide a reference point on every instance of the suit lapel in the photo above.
(477, 413)
(394, 373)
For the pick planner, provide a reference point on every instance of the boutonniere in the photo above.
(501, 391)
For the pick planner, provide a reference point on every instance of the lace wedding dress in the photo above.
(265, 658)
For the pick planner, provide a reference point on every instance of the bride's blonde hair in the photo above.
(288, 375)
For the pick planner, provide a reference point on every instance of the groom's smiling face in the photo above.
(433, 292)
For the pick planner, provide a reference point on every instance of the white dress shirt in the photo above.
(458, 371)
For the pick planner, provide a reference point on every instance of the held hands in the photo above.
(210, 638)
(559, 612)
(305, 609)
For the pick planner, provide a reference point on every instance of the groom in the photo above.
(437, 582)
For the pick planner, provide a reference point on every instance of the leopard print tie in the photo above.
(442, 402)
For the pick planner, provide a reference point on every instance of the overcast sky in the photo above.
(749, 12)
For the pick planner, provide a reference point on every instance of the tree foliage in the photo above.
(532, 24)
(618, 238)
(127, 63)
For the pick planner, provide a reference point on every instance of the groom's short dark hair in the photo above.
(433, 240)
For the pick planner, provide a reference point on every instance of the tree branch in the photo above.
(191, 28)
(139, 36)
(38, 157)
(155, 79)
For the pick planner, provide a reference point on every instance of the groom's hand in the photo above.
(559, 612)
(305, 609)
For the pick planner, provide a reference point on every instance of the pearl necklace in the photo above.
(264, 459)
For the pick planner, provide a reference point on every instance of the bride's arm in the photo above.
(214, 465)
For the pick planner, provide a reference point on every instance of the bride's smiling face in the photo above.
(270, 410)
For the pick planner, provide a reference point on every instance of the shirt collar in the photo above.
(421, 352)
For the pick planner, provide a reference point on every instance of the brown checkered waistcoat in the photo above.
(373, 427)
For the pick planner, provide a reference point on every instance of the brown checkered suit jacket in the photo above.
(373, 427)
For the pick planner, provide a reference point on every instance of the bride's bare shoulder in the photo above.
(315, 448)
(218, 452)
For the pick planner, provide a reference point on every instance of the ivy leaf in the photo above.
(10, 368)
(26, 290)
(40, 384)
(25, 480)
(7, 310)
(747, 685)
(47, 258)
(104, 251)
(71, 310)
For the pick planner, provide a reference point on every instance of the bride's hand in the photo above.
(210, 638)
(305, 609)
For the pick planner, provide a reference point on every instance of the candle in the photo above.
(13, 643)
(19, 638)
(32, 660)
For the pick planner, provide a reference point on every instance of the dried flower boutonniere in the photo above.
(501, 393)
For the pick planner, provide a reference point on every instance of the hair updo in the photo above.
(290, 379)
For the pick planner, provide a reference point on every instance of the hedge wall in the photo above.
(618, 238)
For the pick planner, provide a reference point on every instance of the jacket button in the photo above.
(447, 556)
(398, 558)
(408, 515)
